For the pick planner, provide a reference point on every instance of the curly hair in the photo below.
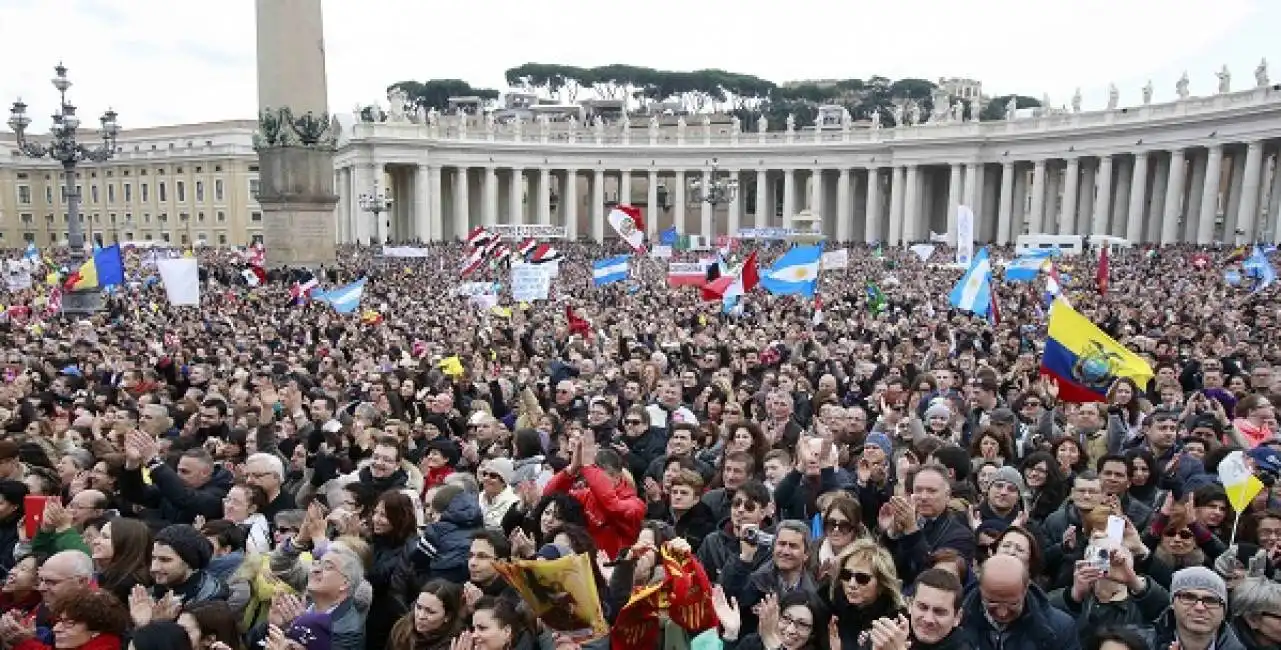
(100, 611)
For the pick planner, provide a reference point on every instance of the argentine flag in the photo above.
(1026, 267)
(973, 293)
(345, 300)
(1261, 269)
(795, 273)
(32, 254)
(610, 270)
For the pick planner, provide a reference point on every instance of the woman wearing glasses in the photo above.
(796, 621)
(864, 587)
(842, 524)
(85, 620)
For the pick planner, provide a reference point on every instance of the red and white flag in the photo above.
(737, 284)
(630, 225)
(54, 305)
(479, 237)
(526, 248)
(545, 253)
(818, 310)
(474, 260)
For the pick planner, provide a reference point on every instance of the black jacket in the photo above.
(911, 552)
(721, 546)
(1039, 627)
(170, 500)
(199, 588)
(643, 450)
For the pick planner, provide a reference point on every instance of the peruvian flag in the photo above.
(526, 248)
(1053, 284)
(474, 261)
(1102, 276)
(302, 289)
(730, 286)
(254, 276)
(54, 305)
(577, 324)
(630, 226)
(479, 237)
(545, 253)
(818, 310)
(257, 255)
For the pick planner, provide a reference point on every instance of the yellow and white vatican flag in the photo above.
(1241, 485)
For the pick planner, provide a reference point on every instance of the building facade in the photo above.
(178, 185)
(1198, 169)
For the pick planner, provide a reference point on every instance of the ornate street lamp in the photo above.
(63, 147)
(721, 188)
(377, 203)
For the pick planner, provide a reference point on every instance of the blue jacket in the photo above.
(1039, 627)
(441, 552)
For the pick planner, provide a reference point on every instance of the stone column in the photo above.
(896, 206)
(436, 201)
(1103, 199)
(491, 196)
(1052, 188)
(1120, 198)
(625, 187)
(1071, 183)
(678, 203)
(789, 196)
(295, 182)
(422, 204)
(816, 191)
(761, 218)
(735, 218)
(598, 203)
(342, 232)
(705, 212)
(516, 197)
(953, 201)
(1085, 200)
(651, 206)
(569, 199)
(1233, 198)
(1138, 198)
(1274, 199)
(462, 209)
(844, 211)
(1156, 208)
(1248, 214)
(911, 205)
(872, 220)
(1005, 209)
(544, 196)
(1210, 194)
(1036, 220)
(1196, 186)
(363, 229)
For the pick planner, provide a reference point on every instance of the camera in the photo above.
(758, 537)
(1101, 559)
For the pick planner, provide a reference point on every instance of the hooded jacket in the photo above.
(614, 512)
(441, 552)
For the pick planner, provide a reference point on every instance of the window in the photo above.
(255, 216)
(164, 236)
(178, 171)
(256, 239)
(160, 191)
(146, 217)
(111, 194)
(253, 168)
(112, 217)
(163, 217)
(222, 216)
(185, 239)
(142, 172)
(182, 191)
(222, 239)
(146, 194)
(128, 193)
(160, 171)
(63, 188)
(200, 217)
(200, 191)
(22, 176)
(80, 193)
(217, 168)
(26, 218)
(93, 192)
(202, 238)
(24, 194)
(253, 189)
(29, 237)
(199, 169)
(218, 190)
(128, 217)
(48, 194)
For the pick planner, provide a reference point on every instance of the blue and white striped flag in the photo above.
(1026, 267)
(973, 293)
(344, 300)
(610, 270)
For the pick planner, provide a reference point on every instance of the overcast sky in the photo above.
(178, 61)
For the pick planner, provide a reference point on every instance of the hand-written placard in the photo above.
(530, 282)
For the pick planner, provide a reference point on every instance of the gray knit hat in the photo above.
(1198, 577)
(1010, 475)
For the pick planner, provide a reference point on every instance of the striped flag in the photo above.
(480, 237)
(526, 248)
(545, 253)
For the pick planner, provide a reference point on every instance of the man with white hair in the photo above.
(1256, 613)
(267, 471)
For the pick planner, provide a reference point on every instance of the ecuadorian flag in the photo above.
(1084, 360)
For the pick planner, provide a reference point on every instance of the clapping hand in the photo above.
(141, 606)
(767, 617)
(275, 638)
(56, 517)
(463, 641)
(890, 634)
(726, 612)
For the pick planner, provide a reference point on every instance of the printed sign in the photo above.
(527, 230)
(837, 259)
(530, 282)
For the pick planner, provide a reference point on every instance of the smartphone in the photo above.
(33, 509)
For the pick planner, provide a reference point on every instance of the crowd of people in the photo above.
(872, 469)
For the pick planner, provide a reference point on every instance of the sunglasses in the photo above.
(1185, 533)
(831, 526)
(490, 475)
(633, 422)
(860, 578)
(749, 506)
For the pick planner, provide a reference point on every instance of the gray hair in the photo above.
(796, 526)
(1256, 596)
(277, 466)
(464, 480)
(79, 564)
(350, 566)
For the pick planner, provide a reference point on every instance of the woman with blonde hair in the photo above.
(864, 587)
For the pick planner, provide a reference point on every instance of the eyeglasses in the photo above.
(786, 621)
(632, 423)
(1190, 599)
(860, 578)
(1185, 533)
(749, 506)
(287, 530)
(837, 526)
(491, 475)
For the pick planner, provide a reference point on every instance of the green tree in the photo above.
(995, 109)
(435, 93)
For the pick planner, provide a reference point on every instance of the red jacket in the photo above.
(100, 642)
(614, 512)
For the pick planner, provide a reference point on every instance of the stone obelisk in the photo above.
(294, 141)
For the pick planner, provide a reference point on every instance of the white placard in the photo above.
(661, 252)
(530, 282)
(837, 259)
(964, 235)
(405, 251)
(473, 288)
(525, 231)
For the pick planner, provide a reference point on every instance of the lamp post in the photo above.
(376, 203)
(64, 148)
(720, 189)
